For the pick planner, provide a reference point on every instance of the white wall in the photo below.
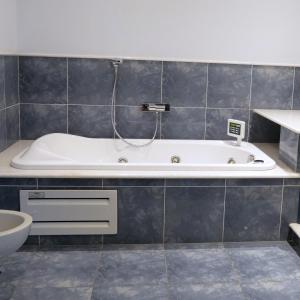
(252, 31)
(8, 27)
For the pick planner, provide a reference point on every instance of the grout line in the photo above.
(293, 91)
(164, 214)
(19, 101)
(250, 100)
(67, 95)
(206, 95)
(161, 95)
(4, 109)
(224, 211)
(281, 206)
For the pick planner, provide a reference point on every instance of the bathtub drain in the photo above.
(175, 159)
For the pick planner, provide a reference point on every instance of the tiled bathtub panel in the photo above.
(263, 130)
(2, 82)
(18, 182)
(11, 80)
(38, 119)
(272, 87)
(90, 81)
(90, 121)
(140, 215)
(290, 209)
(183, 123)
(289, 148)
(184, 84)
(57, 241)
(296, 99)
(194, 214)
(195, 182)
(254, 182)
(114, 182)
(216, 122)
(12, 124)
(133, 123)
(3, 137)
(69, 182)
(43, 80)
(139, 82)
(9, 197)
(252, 213)
(228, 86)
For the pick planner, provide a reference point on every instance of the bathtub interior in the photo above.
(64, 151)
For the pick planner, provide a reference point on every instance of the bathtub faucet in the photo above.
(156, 107)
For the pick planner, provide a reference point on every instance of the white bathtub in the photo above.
(65, 152)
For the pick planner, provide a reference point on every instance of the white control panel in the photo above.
(236, 128)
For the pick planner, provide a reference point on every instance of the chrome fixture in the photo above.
(251, 158)
(231, 161)
(175, 159)
(116, 63)
(156, 107)
(122, 160)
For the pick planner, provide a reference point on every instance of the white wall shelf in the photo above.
(289, 119)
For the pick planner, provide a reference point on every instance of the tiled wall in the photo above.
(74, 95)
(180, 210)
(9, 101)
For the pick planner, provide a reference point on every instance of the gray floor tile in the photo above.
(51, 293)
(131, 292)
(287, 290)
(6, 291)
(53, 269)
(199, 266)
(132, 268)
(219, 291)
(265, 264)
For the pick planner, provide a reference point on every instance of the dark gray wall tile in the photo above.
(18, 182)
(272, 87)
(12, 124)
(254, 182)
(183, 123)
(184, 84)
(290, 210)
(39, 119)
(263, 130)
(90, 121)
(43, 80)
(54, 241)
(133, 123)
(194, 214)
(292, 181)
(90, 81)
(195, 182)
(296, 100)
(11, 80)
(133, 182)
(216, 122)
(3, 138)
(69, 182)
(228, 86)
(2, 82)
(139, 82)
(252, 213)
(140, 216)
(289, 148)
(9, 198)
